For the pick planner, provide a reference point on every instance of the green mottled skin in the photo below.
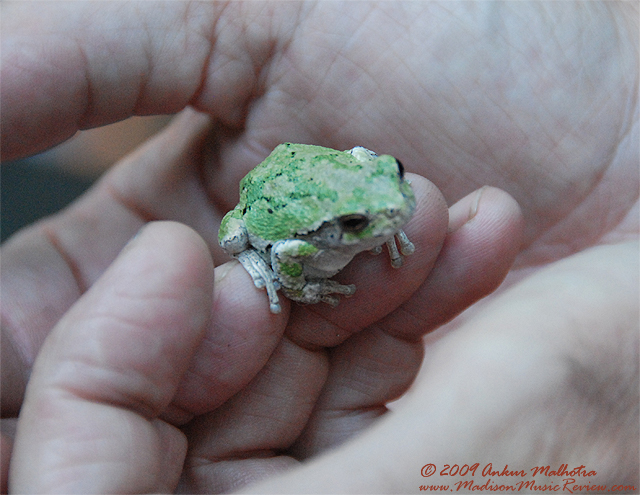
(291, 269)
(306, 211)
(298, 187)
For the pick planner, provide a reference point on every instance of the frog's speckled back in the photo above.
(298, 187)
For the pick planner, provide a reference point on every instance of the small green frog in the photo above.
(306, 211)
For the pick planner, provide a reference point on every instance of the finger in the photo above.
(163, 179)
(72, 66)
(486, 234)
(46, 267)
(241, 338)
(366, 372)
(539, 377)
(55, 83)
(89, 422)
(379, 288)
(378, 365)
(245, 439)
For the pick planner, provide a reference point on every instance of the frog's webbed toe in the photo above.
(336, 288)
(262, 275)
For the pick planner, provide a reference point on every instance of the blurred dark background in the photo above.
(41, 185)
(32, 189)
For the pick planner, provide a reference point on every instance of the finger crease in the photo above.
(71, 263)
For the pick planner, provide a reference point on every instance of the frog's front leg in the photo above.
(406, 248)
(287, 261)
(262, 276)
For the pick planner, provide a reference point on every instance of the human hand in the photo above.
(128, 345)
(447, 166)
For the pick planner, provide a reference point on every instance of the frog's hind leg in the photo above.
(328, 287)
(320, 290)
(287, 259)
(262, 276)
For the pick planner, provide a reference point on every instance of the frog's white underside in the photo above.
(319, 287)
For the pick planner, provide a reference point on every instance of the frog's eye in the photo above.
(400, 168)
(353, 223)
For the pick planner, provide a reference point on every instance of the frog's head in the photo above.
(377, 202)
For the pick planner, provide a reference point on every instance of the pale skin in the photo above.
(109, 353)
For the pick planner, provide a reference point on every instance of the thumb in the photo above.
(89, 422)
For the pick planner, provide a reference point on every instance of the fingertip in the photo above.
(485, 236)
(170, 259)
(500, 204)
(115, 360)
(147, 312)
(174, 240)
(428, 197)
(428, 227)
(489, 218)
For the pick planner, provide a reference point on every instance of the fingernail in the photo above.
(465, 209)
